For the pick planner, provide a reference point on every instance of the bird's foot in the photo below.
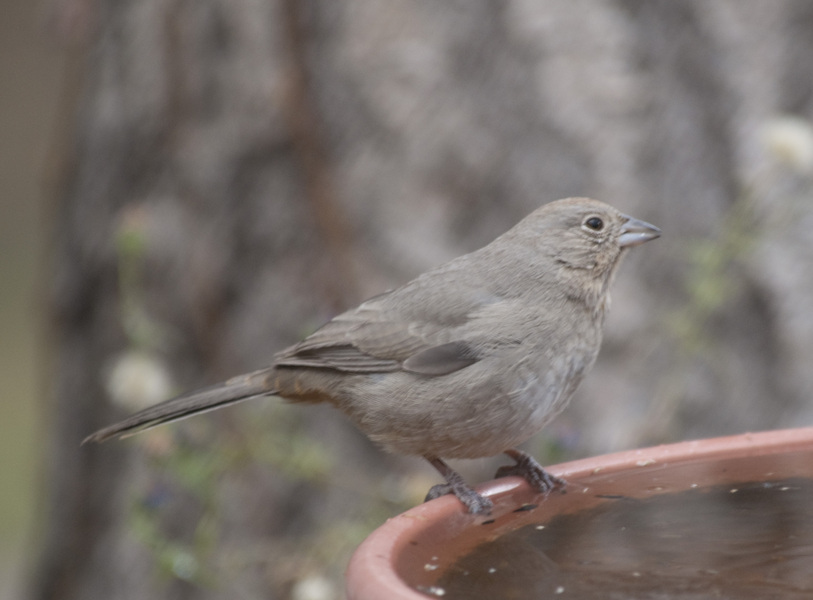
(530, 470)
(436, 491)
(474, 502)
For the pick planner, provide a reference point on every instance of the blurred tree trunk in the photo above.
(238, 172)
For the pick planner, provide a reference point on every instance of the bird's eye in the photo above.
(595, 223)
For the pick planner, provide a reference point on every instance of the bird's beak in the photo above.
(635, 232)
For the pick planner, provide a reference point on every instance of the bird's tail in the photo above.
(242, 387)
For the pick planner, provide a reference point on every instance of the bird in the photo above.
(469, 359)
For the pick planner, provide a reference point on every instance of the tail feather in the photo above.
(199, 401)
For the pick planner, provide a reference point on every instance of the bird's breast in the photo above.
(544, 389)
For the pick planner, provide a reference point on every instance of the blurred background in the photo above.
(188, 187)
(32, 66)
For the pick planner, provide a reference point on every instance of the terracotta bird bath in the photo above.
(728, 517)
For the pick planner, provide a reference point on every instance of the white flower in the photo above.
(313, 587)
(137, 380)
(789, 140)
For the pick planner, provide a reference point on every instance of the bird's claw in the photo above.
(530, 470)
(474, 502)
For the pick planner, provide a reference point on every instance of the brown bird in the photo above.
(468, 360)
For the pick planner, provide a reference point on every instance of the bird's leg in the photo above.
(474, 502)
(531, 471)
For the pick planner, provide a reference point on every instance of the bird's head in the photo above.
(579, 242)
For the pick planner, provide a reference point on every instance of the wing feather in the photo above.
(386, 334)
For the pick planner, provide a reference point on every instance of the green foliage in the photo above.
(713, 278)
(189, 474)
(142, 331)
(184, 560)
(278, 440)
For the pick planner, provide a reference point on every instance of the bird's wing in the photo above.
(378, 348)
(370, 339)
